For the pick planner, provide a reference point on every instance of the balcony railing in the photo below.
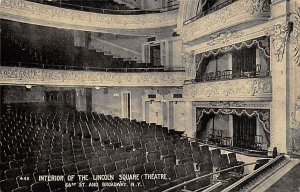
(85, 68)
(38, 76)
(106, 11)
(229, 74)
(210, 10)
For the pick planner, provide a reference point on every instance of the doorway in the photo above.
(154, 112)
(126, 105)
(155, 55)
(244, 131)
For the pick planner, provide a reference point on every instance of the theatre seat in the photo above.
(8, 185)
(147, 149)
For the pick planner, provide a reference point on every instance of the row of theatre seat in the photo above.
(77, 58)
(60, 143)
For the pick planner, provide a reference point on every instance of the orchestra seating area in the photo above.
(40, 142)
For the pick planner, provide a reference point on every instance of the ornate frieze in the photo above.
(233, 104)
(223, 37)
(17, 75)
(44, 15)
(230, 90)
(227, 104)
(248, 10)
(279, 35)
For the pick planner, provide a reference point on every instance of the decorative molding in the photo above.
(279, 35)
(248, 11)
(233, 104)
(223, 37)
(189, 63)
(227, 104)
(295, 112)
(296, 36)
(48, 15)
(294, 123)
(241, 89)
(17, 75)
(204, 47)
(261, 6)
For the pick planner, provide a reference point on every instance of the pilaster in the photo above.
(189, 121)
(279, 59)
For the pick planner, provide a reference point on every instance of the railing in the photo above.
(252, 180)
(229, 75)
(210, 10)
(258, 174)
(106, 11)
(208, 175)
(112, 69)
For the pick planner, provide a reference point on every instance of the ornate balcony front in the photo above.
(246, 12)
(45, 15)
(33, 76)
(230, 90)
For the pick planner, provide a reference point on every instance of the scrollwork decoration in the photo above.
(239, 88)
(261, 6)
(224, 37)
(18, 74)
(296, 36)
(100, 20)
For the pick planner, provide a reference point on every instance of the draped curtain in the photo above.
(263, 116)
(262, 43)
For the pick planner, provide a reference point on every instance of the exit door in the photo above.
(154, 112)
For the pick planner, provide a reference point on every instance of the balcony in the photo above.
(254, 88)
(226, 15)
(34, 76)
(229, 75)
(105, 7)
(48, 15)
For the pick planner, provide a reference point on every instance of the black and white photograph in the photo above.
(150, 96)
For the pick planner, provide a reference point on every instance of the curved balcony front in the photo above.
(33, 76)
(240, 14)
(45, 15)
(259, 89)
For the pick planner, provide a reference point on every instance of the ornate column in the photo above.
(279, 60)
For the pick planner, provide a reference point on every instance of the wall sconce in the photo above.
(116, 95)
(175, 102)
(28, 86)
(97, 87)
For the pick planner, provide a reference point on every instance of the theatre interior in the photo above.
(149, 95)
